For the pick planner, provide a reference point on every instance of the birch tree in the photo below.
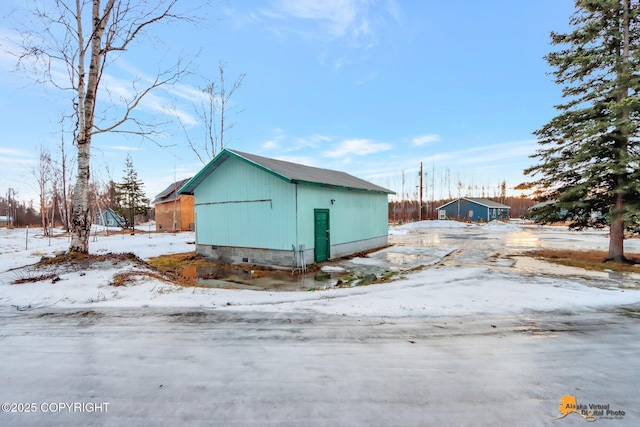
(43, 174)
(63, 175)
(84, 37)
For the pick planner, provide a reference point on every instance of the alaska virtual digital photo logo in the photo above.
(590, 412)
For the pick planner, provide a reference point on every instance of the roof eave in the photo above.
(190, 186)
(341, 187)
(476, 201)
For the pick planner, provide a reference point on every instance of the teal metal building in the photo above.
(253, 209)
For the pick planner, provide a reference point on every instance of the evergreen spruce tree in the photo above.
(129, 197)
(589, 160)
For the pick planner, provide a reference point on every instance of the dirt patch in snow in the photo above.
(129, 265)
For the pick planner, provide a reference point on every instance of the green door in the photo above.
(321, 233)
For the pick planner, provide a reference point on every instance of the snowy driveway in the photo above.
(206, 367)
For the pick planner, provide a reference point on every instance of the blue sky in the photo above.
(368, 87)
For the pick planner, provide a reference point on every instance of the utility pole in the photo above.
(420, 215)
(433, 188)
(175, 195)
(404, 210)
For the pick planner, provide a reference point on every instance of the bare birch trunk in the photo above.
(112, 27)
(64, 203)
(81, 221)
(81, 218)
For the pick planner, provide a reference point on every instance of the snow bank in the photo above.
(445, 291)
(421, 225)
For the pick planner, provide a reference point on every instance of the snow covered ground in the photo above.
(480, 336)
(471, 269)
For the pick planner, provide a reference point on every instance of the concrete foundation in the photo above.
(283, 258)
(350, 248)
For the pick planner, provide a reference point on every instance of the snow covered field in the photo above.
(479, 337)
(474, 270)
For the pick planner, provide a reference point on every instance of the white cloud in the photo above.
(353, 20)
(394, 10)
(274, 142)
(270, 145)
(21, 64)
(186, 92)
(306, 142)
(311, 141)
(9, 51)
(424, 139)
(358, 147)
(340, 62)
(125, 148)
(15, 172)
(339, 15)
(497, 152)
(159, 104)
(14, 152)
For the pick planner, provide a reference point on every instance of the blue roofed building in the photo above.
(473, 209)
(109, 218)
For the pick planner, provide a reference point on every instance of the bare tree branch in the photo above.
(214, 110)
(70, 48)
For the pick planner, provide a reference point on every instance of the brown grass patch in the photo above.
(164, 268)
(33, 279)
(87, 260)
(173, 263)
(131, 277)
(588, 260)
(180, 268)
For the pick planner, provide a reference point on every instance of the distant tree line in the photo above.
(56, 193)
(17, 213)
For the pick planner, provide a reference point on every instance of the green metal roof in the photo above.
(288, 171)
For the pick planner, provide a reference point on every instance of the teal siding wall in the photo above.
(241, 205)
(354, 216)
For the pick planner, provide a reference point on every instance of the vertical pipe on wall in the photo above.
(297, 243)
